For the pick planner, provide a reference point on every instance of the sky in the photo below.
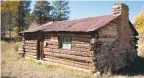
(84, 9)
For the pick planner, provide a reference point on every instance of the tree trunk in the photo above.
(9, 33)
(40, 18)
(22, 17)
(10, 24)
(19, 21)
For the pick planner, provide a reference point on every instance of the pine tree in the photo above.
(60, 10)
(23, 14)
(15, 13)
(41, 12)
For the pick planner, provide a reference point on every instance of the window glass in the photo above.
(66, 42)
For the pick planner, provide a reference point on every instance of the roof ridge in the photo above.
(77, 25)
(87, 17)
(83, 19)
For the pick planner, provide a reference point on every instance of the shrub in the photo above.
(17, 45)
(10, 39)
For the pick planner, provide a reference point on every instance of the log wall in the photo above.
(126, 52)
(30, 45)
(79, 55)
(110, 47)
(107, 37)
(113, 47)
(116, 46)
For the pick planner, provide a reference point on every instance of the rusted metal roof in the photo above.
(135, 31)
(41, 27)
(81, 25)
(78, 25)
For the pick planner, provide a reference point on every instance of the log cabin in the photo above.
(95, 43)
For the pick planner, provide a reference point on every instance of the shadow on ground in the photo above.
(137, 68)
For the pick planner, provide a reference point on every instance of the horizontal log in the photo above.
(102, 63)
(80, 49)
(28, 50)
(107, 39)
(52, 46)
(76, 35)
(106, 44)
(69, 60)
(73, 57)
(105, 48)
(68, 63)
(85, 46)
(51, 50)
(77, 53)
(101, 54)
(31, 42)
(30, 56)
(79, 42)
(103, 58)
(30, 47)
(52, 43)
(49, 36)
(30, 53)
(108, 32)
(47, 39)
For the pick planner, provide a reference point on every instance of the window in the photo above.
(65, 42)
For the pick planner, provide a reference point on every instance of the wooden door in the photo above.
(40, 45)
(42, 50)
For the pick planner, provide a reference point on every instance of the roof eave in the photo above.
(135, 31)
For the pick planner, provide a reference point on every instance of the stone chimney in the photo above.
(120, 9)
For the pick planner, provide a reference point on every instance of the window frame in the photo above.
(65, 40)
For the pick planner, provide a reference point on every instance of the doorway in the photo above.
(40, 45)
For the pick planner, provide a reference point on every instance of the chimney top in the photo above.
(119, 3)
(119, 9)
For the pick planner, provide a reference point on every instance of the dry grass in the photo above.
(15, 66)
(141, 47)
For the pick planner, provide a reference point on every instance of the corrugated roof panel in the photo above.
(81, 25)
(78, 25)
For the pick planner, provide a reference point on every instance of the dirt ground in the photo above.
(13, 66)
